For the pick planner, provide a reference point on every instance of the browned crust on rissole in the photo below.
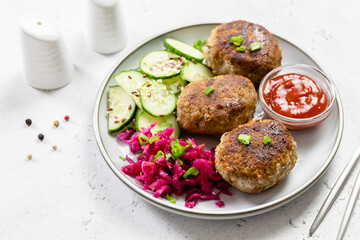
(253, 65)
(232, 103)
(257, 165)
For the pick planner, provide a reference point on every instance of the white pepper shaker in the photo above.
(46, 61)
(105, 31)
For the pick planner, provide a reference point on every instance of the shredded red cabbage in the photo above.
(219, 203)
(164, 176)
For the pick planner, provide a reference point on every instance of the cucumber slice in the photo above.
(156, 99)
(175, 83)
(183, 49)
(131, 81)
(144, 120)
(194, 72)
(161, 64)
(121, 109)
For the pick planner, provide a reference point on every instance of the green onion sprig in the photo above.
(177, 149)
(199, 45)
(241, 48)
(255, 46)
(189, 144)
(267, 140)
(153, 139)
(209, 90)
(168, 156)
(158, 155)
(245, 139)
(237, 40)
(191, 171)
(143, 139)
(170, 198)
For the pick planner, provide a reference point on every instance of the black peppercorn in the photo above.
(41, 136)
(28, 122)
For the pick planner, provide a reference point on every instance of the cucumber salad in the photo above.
(148, 94)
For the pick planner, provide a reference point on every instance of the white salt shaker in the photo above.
(47, 64)
(105, 31)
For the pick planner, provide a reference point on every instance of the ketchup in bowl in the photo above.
(298, 95)
(295, 95)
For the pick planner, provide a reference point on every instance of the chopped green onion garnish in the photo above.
(267, 140)
(143, 139)
(180, 162)
(170, 198)
(199, 45)
(209, 90)
(168, 156)
(255, 46)
(153, 139)
(245, 139)
(165, 126)
(241, 48)
(189, 144)
(158, 155)
(237, 40)
(122, 158)
(177, 149)
(191, 171)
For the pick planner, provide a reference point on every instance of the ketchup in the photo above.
(295, 95)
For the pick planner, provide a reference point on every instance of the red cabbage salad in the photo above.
(171, 167)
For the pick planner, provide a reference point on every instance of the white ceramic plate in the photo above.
(316, 146)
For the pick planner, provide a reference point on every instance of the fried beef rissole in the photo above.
(256, 167)
(232, 102)
(222, 56)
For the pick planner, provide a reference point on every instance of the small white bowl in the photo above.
(322, 79)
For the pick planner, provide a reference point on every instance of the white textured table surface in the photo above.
(72, 194)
